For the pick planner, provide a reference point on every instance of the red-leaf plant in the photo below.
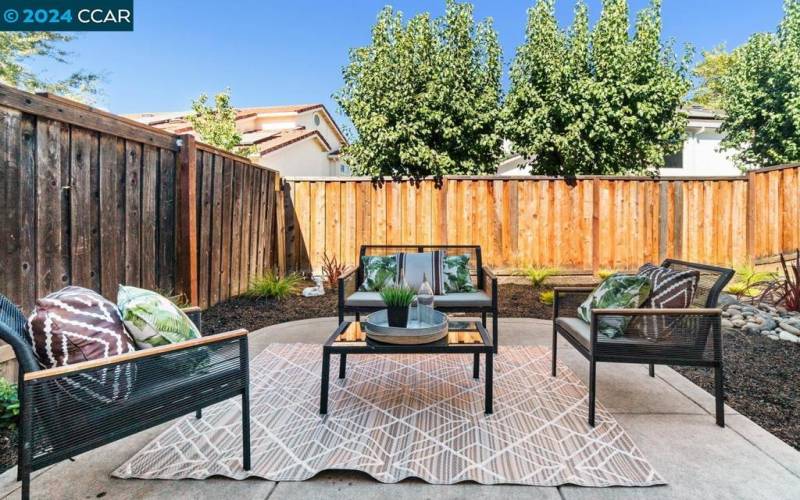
(785, 290)
(331, 270)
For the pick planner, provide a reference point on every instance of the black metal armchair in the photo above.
(483, 301)
(59, 420)
(687, 337)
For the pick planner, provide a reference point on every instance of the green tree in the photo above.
(761, 96)
(216, 125)
(709, 72)
(425, 96)
(17, 48)
(596, 101)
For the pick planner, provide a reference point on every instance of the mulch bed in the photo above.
(762, 381)
(516, 301)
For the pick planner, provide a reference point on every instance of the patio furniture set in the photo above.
(57, 422)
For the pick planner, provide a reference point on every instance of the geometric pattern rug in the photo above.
(400, 416)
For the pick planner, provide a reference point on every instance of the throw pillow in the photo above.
(456, 275)
(619, 291)
(669, 290)
(73, 325)
(413, 267)
(378, 271)
(153, 320)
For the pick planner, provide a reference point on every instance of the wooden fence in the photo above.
(93, 199)
(585, 223)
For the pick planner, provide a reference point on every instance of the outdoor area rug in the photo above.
(400, 416)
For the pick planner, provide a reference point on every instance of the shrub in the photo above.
(785, 290)
(397, 296)
(539, 274)
(748, 282)
(331, 270)
(9, 405)
(547, 297)
(604, 274)
(272, 286)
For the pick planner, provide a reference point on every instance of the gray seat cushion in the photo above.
(581, 331)
(577, 328)
(471, 299)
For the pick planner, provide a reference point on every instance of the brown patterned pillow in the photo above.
(669, 290)
(74, 325)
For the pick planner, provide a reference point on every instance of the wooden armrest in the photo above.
(488, 273)
(132, 356)
(694, 311)
(348, 273)
(573, 289)
(190, 309)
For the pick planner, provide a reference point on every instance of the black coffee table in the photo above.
(464, 337)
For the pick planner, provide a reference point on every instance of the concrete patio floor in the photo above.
(669, 418)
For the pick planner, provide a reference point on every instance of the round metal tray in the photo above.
(376, 326)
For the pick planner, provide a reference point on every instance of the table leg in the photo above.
(476, 365)
(323, 393)
(342, 365)
(489, 392)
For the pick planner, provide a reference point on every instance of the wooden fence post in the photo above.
(280, 224)
(186, 219)
(750, 235)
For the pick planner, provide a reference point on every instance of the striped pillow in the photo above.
(412, 267)
(669, 290)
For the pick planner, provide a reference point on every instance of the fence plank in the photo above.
(110, 244)
(80, 207)
(215, 264)
(166, 223)
(149, 217)
(228, 175)
(27, 210)
(205, 173)
(10, 191)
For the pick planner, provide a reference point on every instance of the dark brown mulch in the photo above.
(516, 301)
(762, 382)
(8, 449)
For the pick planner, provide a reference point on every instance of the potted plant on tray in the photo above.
(398, 299)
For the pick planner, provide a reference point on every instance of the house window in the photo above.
(674, 160)
(316, 120)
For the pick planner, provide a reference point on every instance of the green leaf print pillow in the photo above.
(152, 320)
(619, 291)
(456, 275)
(379, 271)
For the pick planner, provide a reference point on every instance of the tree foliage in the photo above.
(761, 96)
(596, 101)
(425, 96)
(216, 125)
(17, 48)
(716, 63)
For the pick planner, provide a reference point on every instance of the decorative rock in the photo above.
(790, 328)
(738, 323)
(726, 314)
(789, 337)
(753, 328)
(315, 291)
(767, 323)
(774, 337)
(726, 323)
(737, 317)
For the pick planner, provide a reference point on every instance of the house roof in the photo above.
(700, 113)
(267, 141)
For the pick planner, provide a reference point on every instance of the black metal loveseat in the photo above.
(59, 419)
(483, 301)
(684, 337)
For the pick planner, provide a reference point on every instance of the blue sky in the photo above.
(276, 52)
